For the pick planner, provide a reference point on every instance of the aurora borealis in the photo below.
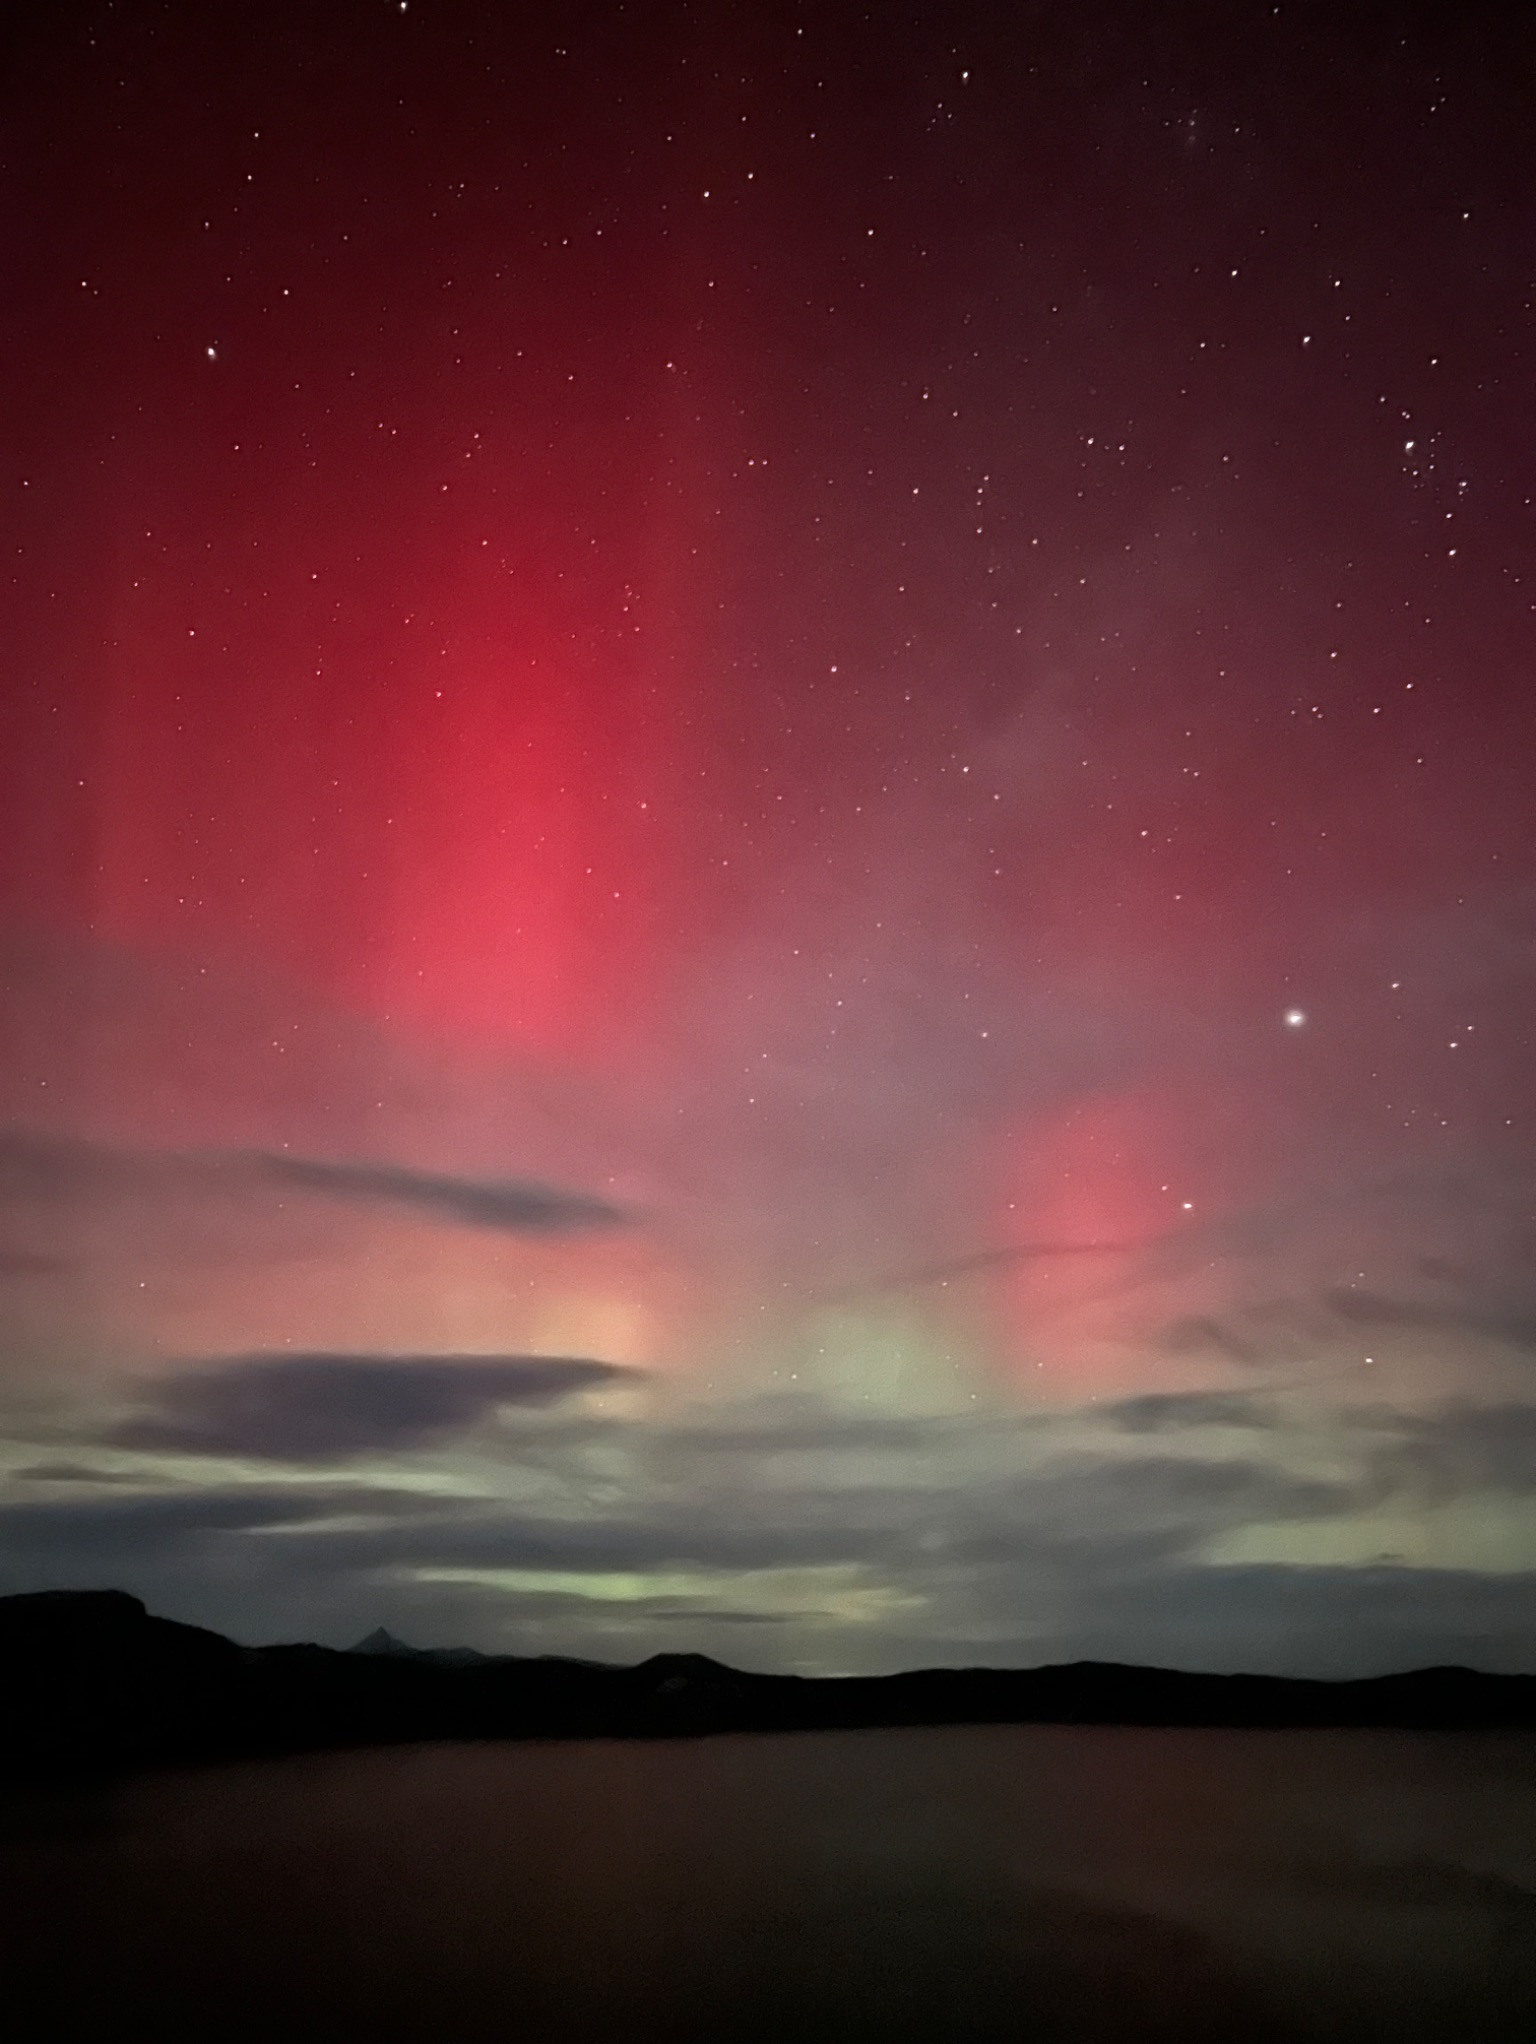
(766, 855)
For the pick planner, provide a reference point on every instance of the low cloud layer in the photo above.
(318, 1408)
(787, 1531)
(1206, 1470)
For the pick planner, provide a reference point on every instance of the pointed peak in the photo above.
(381, 1642)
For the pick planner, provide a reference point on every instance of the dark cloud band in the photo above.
(49, 1170)
(320, 1407)
(521, 1206)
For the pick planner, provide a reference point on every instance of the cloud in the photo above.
(1089, 1553)
(1201, 1332)
(314, 1408)
(1157, 1412)
(71, 1472)
(193, 1550)
(1461, 1447)
(1441, 1270)
(1338, 1622)
(965, 1266)
(53, 1169)
(1099, 1516)
(36, 1166)
(124, 1530)
(1091, 1516)
(29, 1263)
(637, 1540)
(781, 1423)
(1512, 1324)
(522, 1206)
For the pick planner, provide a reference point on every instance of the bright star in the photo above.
(1294, 1017)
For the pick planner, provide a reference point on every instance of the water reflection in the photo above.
(1035, 1883)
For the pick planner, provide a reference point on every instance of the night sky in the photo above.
(768, 827)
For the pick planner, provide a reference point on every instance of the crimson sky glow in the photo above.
(900, 646)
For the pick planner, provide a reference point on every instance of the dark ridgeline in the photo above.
(89, 1680)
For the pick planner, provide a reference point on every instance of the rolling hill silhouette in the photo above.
(90, 1680)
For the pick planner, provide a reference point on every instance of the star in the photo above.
(1294, 1018)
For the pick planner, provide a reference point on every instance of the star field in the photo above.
(895, 646)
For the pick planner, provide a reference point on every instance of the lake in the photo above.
(1032, 1883)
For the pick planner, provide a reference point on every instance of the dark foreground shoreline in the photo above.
(90, 1681)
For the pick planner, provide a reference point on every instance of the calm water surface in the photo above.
(1035, 1883)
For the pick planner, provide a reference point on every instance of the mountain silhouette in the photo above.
(90, 1680)
(381, 1642)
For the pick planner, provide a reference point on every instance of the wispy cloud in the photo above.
(1460, 1447)
(1093, 1550)
(38, 1170)
(29, 1263)
(1201, 1333)
(1513, 1324)
(521, 1206)
(1158, 1412)
(966, 1266)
